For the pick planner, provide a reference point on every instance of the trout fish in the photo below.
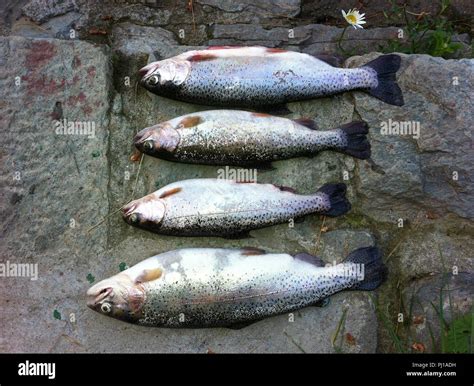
(207, 287)
(232, 137)
(260, 76)
(227, 208)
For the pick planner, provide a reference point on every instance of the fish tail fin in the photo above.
(387, 90)
(375, 271)
(355, 135)
(338, 203)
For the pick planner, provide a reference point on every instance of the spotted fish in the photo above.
(259, 76)
(226, 208)
(232, 137)
(206, 287)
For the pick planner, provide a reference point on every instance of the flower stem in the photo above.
(340, 41)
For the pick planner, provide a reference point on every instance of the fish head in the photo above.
(118, 296)
(164, 75)
(157, 139)
(147, 212)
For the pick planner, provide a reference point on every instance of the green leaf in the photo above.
(90, 278)
(458, 337)
(95, 153)
(57, 314)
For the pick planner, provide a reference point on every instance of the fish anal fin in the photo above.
(306, 257)
(170, 192)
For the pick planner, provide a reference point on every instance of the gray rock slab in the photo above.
(53, 186)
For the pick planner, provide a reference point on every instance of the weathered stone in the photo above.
(415, 173)
(423, 256)
(53, 186)
(437, 300)
(42, 10)
(85, 179)
(265, 8)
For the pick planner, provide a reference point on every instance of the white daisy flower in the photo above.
(354, 18)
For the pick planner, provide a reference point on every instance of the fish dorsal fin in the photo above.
(252, 251)
(332, 60)
(149, 275)
(190, 122)
(306, 257)
(306, 122)
(275, 50)
(202, 57)
(170, 192)
(261, 115)
(285, 188)
(222, 47)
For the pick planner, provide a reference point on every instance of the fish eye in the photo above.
(133, 217)
(154, 79)
(106, 308)
(148, 144)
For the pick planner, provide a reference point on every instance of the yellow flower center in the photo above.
(351, 19)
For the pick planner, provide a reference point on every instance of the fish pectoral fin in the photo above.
(239, 235)
(170, 192)
(322, 303)
(299, 220)
(306, 122)
(149, 275)
(261, 166)
(306, 257)
(275, 109)
(240, 325)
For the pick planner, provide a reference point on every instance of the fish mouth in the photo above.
(146, 71)
(94, 298)
(141, 137)
(129, 209)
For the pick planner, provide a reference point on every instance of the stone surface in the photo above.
(53, 186)
(432, 171)
(449, 295)
(73, 177)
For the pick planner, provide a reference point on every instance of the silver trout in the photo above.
(207, 287)
(260, 76)
(232, 137)
(226, 208)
